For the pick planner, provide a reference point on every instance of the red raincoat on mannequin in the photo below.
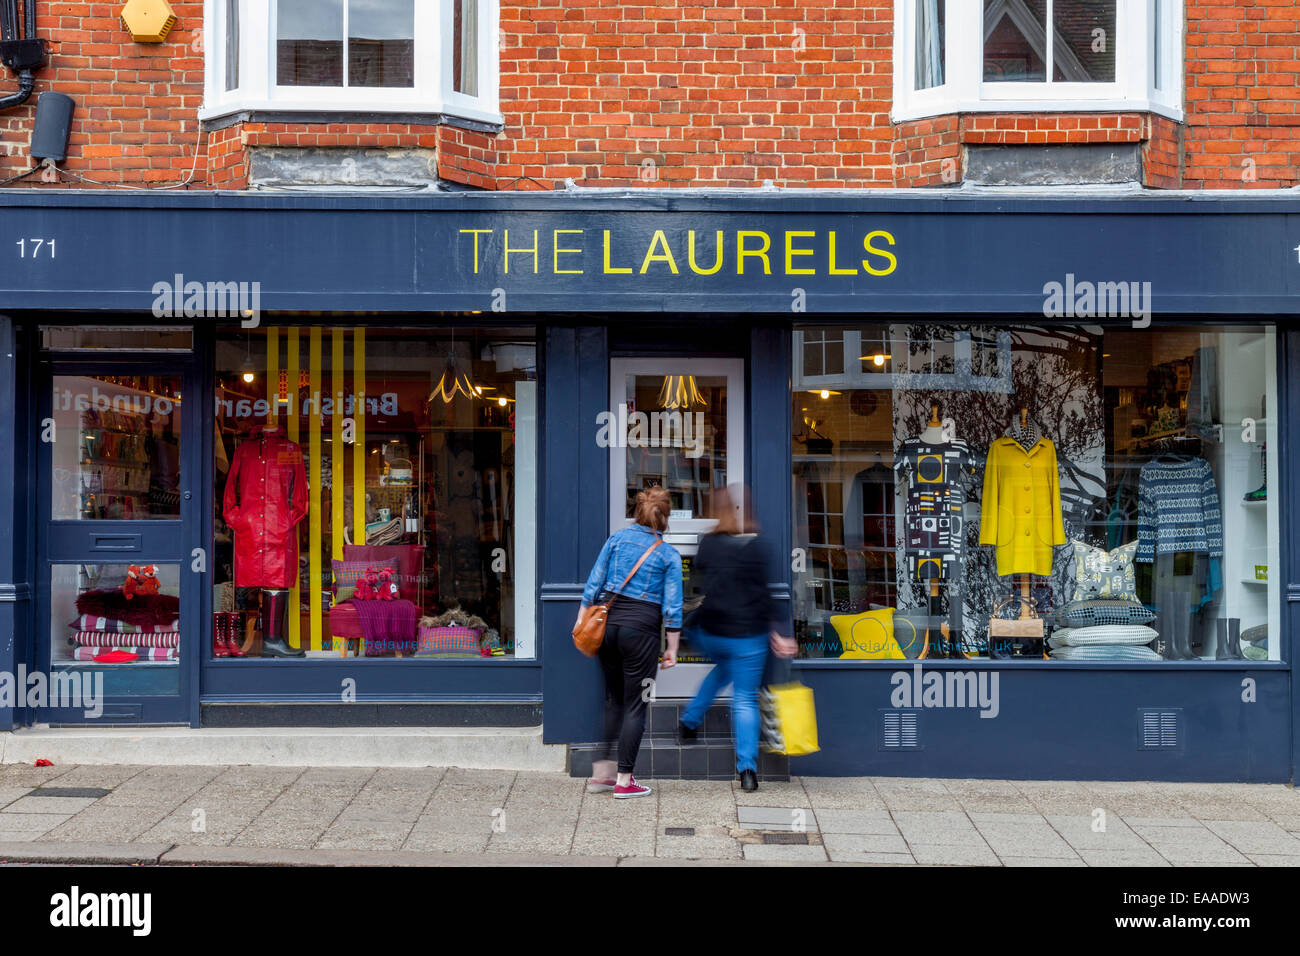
(266, 497)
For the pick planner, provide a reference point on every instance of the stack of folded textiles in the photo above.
(146, 625)
(1104, 630)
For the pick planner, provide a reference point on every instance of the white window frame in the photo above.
(964, 89)
(433, 91)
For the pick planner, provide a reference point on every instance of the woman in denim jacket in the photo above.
(630, 652)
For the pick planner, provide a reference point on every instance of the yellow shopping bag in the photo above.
(789, 719)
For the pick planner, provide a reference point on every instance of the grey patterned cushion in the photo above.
(1111, 634)
(1105, 652)
(1091, 613)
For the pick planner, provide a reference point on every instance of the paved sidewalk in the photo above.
(330, 815)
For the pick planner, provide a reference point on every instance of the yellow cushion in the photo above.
(868, 636)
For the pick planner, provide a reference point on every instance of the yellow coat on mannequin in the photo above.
(1021, 510)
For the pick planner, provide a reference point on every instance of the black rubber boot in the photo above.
(1221, 646)
(275, 618)
(1182, 636)
(1234, 639)
(748, 781)
(956, 652)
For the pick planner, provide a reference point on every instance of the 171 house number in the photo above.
(36, 246)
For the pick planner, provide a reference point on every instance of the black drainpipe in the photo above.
(22, 51)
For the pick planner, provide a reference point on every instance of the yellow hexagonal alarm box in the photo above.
(148, 21)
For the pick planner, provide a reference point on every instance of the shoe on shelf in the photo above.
(686, 735)
(1259, 494)
(633, 789)
(601, 784)
(748, 781)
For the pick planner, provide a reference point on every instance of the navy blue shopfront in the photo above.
(609, 278)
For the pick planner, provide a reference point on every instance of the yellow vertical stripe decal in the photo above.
(336, 451)
(273, 375)
(291, 413)
(314, 578)
(359, 449)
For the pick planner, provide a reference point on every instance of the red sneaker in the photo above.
(597, 785)
(633, 789)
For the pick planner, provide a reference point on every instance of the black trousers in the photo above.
(629, 658)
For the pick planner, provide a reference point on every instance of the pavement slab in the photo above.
(451, 816)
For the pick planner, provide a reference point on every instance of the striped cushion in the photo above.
(89, 622)
(96, 639)
(1105, 652)
(146, 653)
(1108, 634)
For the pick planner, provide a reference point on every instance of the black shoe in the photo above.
(686, 735)
(748, 781)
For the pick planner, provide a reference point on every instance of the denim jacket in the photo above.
(658, 580)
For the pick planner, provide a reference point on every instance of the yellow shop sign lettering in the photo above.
(792, 252)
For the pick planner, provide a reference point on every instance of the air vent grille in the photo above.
(900, 730)
(1160, 729)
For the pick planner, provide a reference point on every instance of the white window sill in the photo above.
(900, 114)
(444, 112)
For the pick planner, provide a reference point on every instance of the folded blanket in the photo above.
(103, 638)
(388, 626)
(144, 653)
(89, 622)
(143, 610)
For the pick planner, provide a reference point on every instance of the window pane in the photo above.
(96, 629)
(1157, 35)
(232, 44)
(930, 37)
(151, 338)
(1159, 465)
(465, 48)
(309, 43)
(1083, 50)
(406, 450)
(118, 454)
(1015, 46)
(381, 43)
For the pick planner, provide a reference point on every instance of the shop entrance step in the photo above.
(475, 748)
(711, 757)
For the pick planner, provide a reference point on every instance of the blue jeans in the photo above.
(737, 661)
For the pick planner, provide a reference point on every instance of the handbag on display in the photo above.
(1007, 634)
(589, 631)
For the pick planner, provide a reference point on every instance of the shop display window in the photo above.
(375, 493)
(1049, 493)
(121, 620)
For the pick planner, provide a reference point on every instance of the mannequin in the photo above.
(265, 499)
(938, 471)
(1020, 514)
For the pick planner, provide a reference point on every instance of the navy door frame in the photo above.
(159, 541)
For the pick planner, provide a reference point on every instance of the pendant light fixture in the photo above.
(680, 391)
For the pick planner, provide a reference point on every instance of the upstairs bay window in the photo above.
(425, 56)
(954, 56)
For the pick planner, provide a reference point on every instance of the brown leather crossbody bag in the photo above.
(589, 632)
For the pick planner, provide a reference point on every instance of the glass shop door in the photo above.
(681, 425)
(117, 581)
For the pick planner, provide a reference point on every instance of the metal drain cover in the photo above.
(797, 839)
(679, 831)
(95, 792)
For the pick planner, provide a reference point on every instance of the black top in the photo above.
(733, 574)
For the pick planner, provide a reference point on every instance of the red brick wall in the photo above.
(679, 93)
(1243, 94)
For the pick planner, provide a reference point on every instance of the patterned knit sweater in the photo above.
(1178, 509)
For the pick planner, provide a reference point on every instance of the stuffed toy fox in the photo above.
(140, 580)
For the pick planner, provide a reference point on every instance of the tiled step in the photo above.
(711, 757)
